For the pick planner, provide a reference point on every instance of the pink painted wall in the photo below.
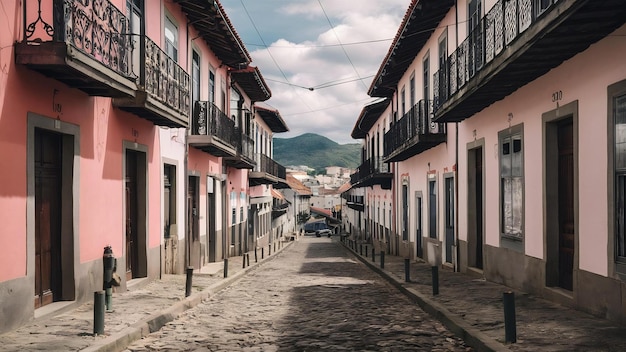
(202, 164)
(102, 132)
(585, 79)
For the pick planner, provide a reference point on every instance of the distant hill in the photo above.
(316, 151)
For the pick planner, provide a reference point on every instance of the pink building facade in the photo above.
(505, 116)
(125, 126)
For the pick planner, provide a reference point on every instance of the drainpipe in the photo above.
(186, 165)
(393, 169)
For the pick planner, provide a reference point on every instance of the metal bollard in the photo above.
(382, 259)
(269, 250)
(98, 313)
(188, 281)
(108, 299)
(225, 267)
(256, 256)
(366, 252)
(435, 277)
(373, 256)
(407, 270)
(361, 249)
(243, 261)
(510, 329)
(262, 254)
(248, 258)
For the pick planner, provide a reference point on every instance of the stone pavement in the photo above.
(469, 306)
(473, 309)
(144, 308)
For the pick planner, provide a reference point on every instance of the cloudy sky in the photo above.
(318, 56)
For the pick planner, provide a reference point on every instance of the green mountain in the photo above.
(316, 152)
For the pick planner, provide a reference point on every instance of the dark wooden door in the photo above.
(418, 227)
(132, 214)
(478, 190)
(432, 209)
(193, 236)
(48, 163)
(405, 212)
(211, 223)
(449, 204)
(566, 204)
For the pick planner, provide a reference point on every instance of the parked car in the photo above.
(321, 232)
(317, 228)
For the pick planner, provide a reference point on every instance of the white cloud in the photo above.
(318, 61)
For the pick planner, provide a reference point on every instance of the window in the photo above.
(195, 76)
(475, 36)
(426, 76)
(171, 39)
(211, 86)
(236, 105)
(402, 102)
(511, 183)
(412, 89)
(541, 6)
(619, 162)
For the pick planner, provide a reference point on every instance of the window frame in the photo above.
(508, 240)
(615, 91)
(175, 45)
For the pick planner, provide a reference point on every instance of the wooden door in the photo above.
(132, 215)
(566, 204)
(48, 163)
(405, 212)
(478, 196)
(193, 236)
(418, 227)
(449, 228)
(432, 209)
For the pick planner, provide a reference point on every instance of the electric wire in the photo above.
(341, 45)
(270, 54)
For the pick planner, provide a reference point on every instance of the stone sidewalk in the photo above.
(144, 308)
(473, 309)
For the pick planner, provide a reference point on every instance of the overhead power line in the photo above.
(269, 51)
(341, 45)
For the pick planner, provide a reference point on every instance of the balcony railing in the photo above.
(82, 43)
(96, 28)
(267, 165)
(499, 28)
(209, 120)
(164, 79)
(244, 151)
(372, 172)
(416, 123)
(245, 145)
(355, 202)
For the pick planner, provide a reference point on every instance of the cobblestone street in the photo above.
(314, 296)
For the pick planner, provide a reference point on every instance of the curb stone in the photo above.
(156, 321)
(458, 326)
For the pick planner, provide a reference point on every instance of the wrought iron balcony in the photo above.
(355, 202)
(516, 42)
(267, 171)
(162, 95)
(212, 131)
(244, 144)
(279, 209)
(414, 133)
(84, 44)
(372, 172)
